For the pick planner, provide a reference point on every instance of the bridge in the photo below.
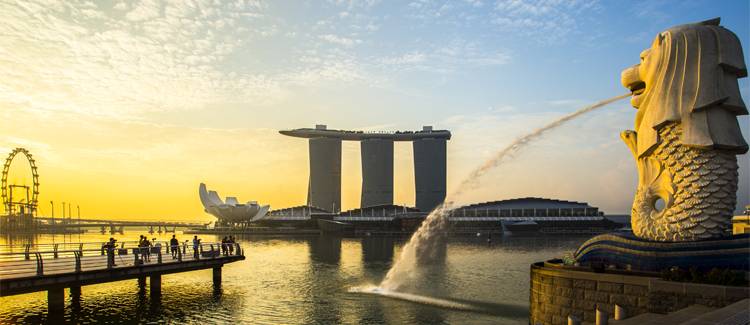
(115, 226)
(54, 267)
(72, 221)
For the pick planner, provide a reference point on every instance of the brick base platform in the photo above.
(557, 292)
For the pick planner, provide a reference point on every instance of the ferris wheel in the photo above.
(30, 202)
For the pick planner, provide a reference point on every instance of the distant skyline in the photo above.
(128, 105)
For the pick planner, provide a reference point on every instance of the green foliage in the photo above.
(714, 276)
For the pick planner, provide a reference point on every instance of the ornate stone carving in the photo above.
(686, 134)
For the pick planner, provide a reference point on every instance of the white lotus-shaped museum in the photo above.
(230, 210)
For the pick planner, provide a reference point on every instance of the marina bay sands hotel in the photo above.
(324, 188)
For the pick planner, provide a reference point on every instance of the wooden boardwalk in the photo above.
(30, 270)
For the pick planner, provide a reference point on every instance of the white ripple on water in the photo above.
(420, 299)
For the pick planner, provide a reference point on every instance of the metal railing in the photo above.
(45, 259)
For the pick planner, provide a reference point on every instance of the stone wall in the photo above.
(557, 292)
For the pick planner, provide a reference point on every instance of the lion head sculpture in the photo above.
(689, 76)
(686, 134)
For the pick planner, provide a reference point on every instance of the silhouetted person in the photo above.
(111, 252)
(224, 248)
(196, 247)
(174, 244)
(140, 247)
(157, 246)
(146, 249)
(230, 243)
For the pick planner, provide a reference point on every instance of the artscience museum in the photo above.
(230, 211)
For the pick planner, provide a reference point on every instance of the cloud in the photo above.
(541, 20)
(407, 58)
(327, 70)
(339, 40)
(565, 102)
(162, 56)
(145, 10)
(448, 58)
(351, 4)
(475, 3)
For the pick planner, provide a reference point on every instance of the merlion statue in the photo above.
(686, 134)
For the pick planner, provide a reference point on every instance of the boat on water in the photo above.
(522, 227)
(331, 226)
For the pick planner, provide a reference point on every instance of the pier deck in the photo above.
(28, 269)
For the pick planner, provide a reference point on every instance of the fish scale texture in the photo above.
(702, 184)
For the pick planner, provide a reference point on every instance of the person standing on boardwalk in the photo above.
(196, 246)
(111, 252)
(224, 248)
(157, 246)
(140, 248)
(174, 245)
(230, 243)
(146, 249)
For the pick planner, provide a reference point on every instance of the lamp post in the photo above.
(52, 205)
(78, 207)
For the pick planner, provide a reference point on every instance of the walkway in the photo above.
(47, 267)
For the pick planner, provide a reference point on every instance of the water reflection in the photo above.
(325, 249)
(322, 280)
(377, 249)
(306, 281)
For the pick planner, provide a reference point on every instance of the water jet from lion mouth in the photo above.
(430, 236)
(425, 244)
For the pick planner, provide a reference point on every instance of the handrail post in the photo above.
(212, 251)
(103, 248)
(135, 256)
(56, 250)
(239, 249)
(110, 256)
(158, 255)
(28, 248)
(80, 248)
(179, 255)
(39, 264)
(78, 261)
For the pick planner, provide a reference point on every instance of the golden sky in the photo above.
(128, 105)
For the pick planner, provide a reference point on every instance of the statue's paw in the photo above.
(630, 138)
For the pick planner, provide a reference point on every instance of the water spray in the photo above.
(426, 243)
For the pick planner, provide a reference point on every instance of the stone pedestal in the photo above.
(623, 250)
(558, 292)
